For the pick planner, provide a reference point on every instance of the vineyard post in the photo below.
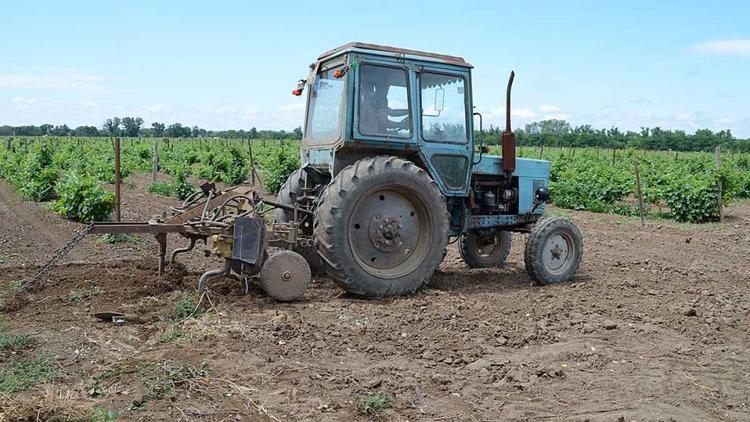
(676, 155)
(118, 213)
(252, 161)
(541, 150)
(7, 144)
(718, 165)
(640, 192)
(155, 161)
(614, 155)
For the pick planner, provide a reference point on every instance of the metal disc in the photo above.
(285, 275)
(389, 231)
(558, 253)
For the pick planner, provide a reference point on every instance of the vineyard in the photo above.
(69, 172)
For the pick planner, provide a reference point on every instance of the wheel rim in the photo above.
(488, 246)
(558, 253)
(389, 231)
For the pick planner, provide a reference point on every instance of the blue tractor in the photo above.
(391, 172)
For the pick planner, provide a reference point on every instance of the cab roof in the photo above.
(383, 50)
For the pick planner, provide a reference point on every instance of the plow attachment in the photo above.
(235, 225)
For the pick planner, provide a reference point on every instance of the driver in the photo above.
(375, 110)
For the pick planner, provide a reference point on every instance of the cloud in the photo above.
(61, 81)
(549, 109)
(155, 108)
(299, 106)
(22, 100)
(735, 47)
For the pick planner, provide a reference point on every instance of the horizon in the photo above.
(674, 65)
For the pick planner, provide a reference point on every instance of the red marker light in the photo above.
(300, 87)
(340, 73)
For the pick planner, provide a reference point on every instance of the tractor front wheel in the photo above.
(381, 227)
(553, 251)
(484, 250)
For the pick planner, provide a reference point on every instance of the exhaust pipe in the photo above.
(509, 138)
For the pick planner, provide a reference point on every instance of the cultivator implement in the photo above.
(234, 224)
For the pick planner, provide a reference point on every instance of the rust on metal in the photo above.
(509, 138)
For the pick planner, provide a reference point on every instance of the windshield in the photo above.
(324, 110)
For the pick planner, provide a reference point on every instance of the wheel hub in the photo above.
(385, 233)
(556, 253)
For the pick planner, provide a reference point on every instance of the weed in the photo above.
(185, 307)
(374, 403)
(76, 296)
(13, 341)
(161, 188)
(26, 373)
(161, 379)
(101, 414)
(169, 336)
(8, 286)
(111, 239)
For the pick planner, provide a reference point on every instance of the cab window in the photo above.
(443, 99)
(383, 101)
(324, 110)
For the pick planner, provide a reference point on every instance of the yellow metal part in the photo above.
(221, 245)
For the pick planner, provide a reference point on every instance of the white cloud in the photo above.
(299, 106)
(735, 47)
(521, 113)
(22, 100)
(60, 81)
(549, 109)
(155, 108)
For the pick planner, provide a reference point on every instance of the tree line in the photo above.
(552, 133)
(559, 133)
(134, 127)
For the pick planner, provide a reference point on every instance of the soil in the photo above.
(653, 327)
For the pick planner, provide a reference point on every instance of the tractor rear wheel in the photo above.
(292, 190)
(484, 251)
(381, 227)
(553, 251)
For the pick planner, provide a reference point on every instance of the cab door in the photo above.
(444, 125)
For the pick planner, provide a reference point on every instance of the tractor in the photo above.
(391, 172)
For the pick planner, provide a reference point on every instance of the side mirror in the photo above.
(439, 99)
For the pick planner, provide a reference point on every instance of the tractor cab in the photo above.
(363, 98)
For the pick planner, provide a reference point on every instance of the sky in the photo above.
(232, 64)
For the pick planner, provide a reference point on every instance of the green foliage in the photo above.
(185, 307)
(82, 199)
(111, 239)
(26, 373)
(183, 188)
(171, 335)
(161, 188)
(161, 379)
(693, 200)
(279, 167)
(374, 403)
(12, 341)
(101, 414)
